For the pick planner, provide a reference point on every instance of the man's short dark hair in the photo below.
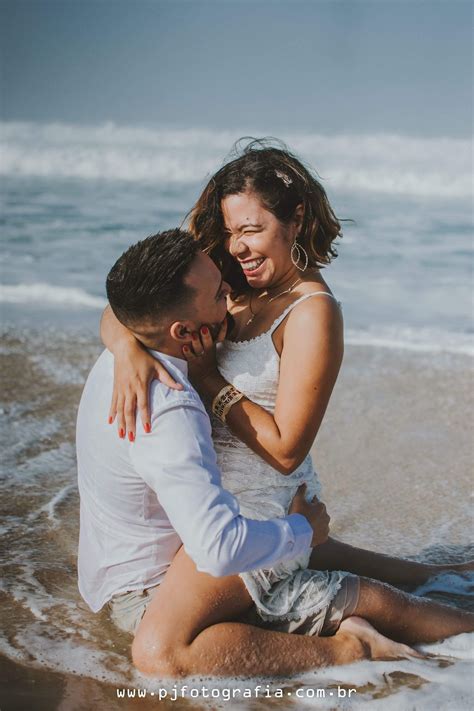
(147, 281)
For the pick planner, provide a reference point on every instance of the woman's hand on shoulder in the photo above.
(134, 370)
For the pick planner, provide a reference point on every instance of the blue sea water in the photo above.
(73, 198)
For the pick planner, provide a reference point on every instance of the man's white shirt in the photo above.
(140, 501)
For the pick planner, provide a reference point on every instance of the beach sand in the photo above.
(395, 458)
(395, 451)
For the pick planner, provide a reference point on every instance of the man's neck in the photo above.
(167, 348)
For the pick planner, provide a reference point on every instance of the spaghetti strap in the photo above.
(289, 308)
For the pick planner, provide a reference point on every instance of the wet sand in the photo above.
(395, 451)
(394, 454)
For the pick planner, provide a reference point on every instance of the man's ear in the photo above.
(180, 331)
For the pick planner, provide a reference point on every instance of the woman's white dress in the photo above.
(289, 591)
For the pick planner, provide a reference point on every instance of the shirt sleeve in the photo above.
(177, 460)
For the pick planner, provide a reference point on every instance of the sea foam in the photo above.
(421, 340)
(41, 293)
(379, 163)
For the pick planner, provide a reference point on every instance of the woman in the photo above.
(267, 223)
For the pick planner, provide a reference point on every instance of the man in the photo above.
(155, 506)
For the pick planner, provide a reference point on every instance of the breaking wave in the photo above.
(42, 294)
(379, 163)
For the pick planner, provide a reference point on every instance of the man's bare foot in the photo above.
(380, 647)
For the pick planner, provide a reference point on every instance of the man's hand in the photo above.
(315, 513)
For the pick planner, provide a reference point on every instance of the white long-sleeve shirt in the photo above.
(140, 501)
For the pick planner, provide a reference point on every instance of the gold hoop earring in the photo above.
(298, 253)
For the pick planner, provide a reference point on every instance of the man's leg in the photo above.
(191, 627)
(408, 618)
(336, 555)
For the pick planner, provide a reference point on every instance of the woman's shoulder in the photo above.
(313, 297)
(315, 311)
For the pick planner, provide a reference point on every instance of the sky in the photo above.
(324, 66)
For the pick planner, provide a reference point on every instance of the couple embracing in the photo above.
(201, 524)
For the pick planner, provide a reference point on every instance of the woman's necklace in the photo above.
(287, 291)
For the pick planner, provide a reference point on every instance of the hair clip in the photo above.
(283, 176)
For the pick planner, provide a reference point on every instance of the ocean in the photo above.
(394, 452)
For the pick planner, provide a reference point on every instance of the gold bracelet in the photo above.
(224, 400)
(230, 404)
(222, 392)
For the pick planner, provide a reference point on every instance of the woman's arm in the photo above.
(309, 365)
(134, 370)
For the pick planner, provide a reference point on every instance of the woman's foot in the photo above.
(378, 646)
(467, 567)
(420, 573)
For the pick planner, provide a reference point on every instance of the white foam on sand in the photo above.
(65, 655)
(421, 340)
(59, 639)
(442, 680)
(50, 508)
(448, 583)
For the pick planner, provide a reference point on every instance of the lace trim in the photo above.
(299, 615)
(280, 318)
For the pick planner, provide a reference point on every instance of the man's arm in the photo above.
(178, 461)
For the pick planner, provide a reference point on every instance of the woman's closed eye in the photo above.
(252, 231)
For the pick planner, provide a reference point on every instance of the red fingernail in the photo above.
(121, 433)
(185, 349)
(147, 427)
(131, 436)
(205, 330)
(111, 419)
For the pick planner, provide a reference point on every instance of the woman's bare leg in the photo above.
(408, 618)
(336, 555)
(190, 627)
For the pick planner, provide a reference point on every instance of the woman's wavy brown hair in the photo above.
(281, 182)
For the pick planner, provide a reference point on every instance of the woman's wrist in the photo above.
(224, 401)
(210, 384)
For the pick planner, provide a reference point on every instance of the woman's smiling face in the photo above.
(259, 242)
